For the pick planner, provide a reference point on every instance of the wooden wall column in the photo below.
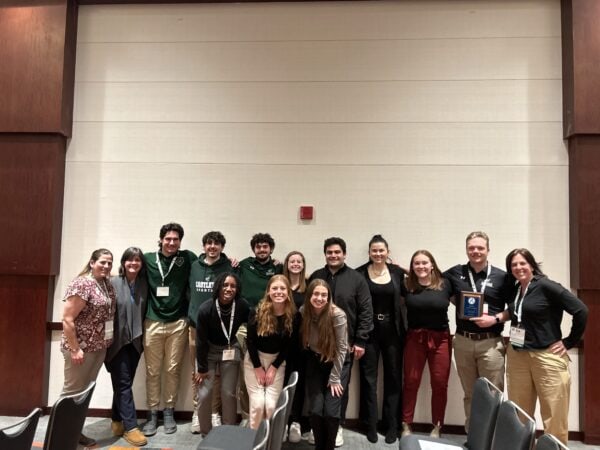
(581, 119)
(37, 50)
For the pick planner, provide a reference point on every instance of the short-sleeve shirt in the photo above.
(100, 304)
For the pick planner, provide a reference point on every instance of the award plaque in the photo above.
(470, 305)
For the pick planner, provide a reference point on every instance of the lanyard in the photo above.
(227, 334)
(484, 284)
(160, 269)
(519, 304)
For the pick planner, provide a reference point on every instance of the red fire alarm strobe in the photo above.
(306, 212)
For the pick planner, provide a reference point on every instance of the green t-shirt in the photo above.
(202, 280)
(175, 305)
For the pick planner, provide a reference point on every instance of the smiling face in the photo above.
(334, 257)
(422, 267)
(262, 251)
(378, 253)
(132, 266)
(101, 267)
(319, 298)
(521, 269)
(477, 252)
(228, 290)
(170, 243)
(213, 250)
(278, 292)
(295, 264)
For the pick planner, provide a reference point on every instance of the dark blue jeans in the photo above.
(122, 370)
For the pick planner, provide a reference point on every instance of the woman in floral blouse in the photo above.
(87, 320)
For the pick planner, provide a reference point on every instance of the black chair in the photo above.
(262, 436)
(290, 387)
(67, 419)
(231, 437)
(515, 429)
(484, 410)
(278, 422)
(20, 435)
(549, 442)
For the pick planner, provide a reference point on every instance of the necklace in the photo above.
(378, 274)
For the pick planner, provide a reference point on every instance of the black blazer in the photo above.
(397, 275)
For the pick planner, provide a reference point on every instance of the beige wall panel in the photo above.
(415, 19)
(430, 59)
(403, 101)
(516, 143)
(414, 206)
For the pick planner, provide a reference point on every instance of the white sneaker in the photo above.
(339, 437)
(215, 419)
(195, 426)
(310, 437)
(294, 434)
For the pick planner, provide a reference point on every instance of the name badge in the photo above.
(108, 330)
(517, 336)
(162, 291)
(486, 309)
(229, 354)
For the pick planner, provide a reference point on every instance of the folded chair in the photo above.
(20, 435)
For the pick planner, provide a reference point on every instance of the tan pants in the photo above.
(79, 376)
(216, 399)
(476, 359)
(263, 399)
(164, 345)
(545, 376)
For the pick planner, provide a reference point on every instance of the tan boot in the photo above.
(117, 428)
(406, 431)
(435, 433)
(135, 437)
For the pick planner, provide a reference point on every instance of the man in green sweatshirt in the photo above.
(205, 270)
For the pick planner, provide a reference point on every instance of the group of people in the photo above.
(247, 325)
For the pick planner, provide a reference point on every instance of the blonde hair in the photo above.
(266, 320)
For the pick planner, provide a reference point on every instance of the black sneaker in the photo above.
(149, 428)
(169, 421)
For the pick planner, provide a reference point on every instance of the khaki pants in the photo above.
(476, 359)
(79, 376)
(263, 399)
(545, 376)
(164, 345)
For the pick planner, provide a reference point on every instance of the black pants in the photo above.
(384, 341)
(122, 370)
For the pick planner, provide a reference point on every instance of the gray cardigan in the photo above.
(129, 317)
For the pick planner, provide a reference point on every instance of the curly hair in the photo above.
(265, 315)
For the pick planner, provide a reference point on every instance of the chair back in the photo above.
(291, 389)
(549, 442)
(485, 403)
(278, 422)
(20, 435)
(515, 429)
(67, 419)
(262, 436)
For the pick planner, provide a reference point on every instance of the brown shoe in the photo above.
(117, 428)
(135, 437)
(86, 441)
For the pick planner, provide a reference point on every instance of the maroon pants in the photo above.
(433, 347)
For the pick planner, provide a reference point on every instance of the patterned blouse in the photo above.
(100, 299)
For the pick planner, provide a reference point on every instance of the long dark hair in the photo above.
(327, 340)
(535, 266)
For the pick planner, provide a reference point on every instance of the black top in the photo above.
(209, 330)
(496, 294)
(298, 298)
(383, 297)
(278, 342)
(428, 308)
(543, 308)
(351, 293)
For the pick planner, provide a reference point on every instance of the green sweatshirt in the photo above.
(254, 277)
(202, 279)
(174, 306)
